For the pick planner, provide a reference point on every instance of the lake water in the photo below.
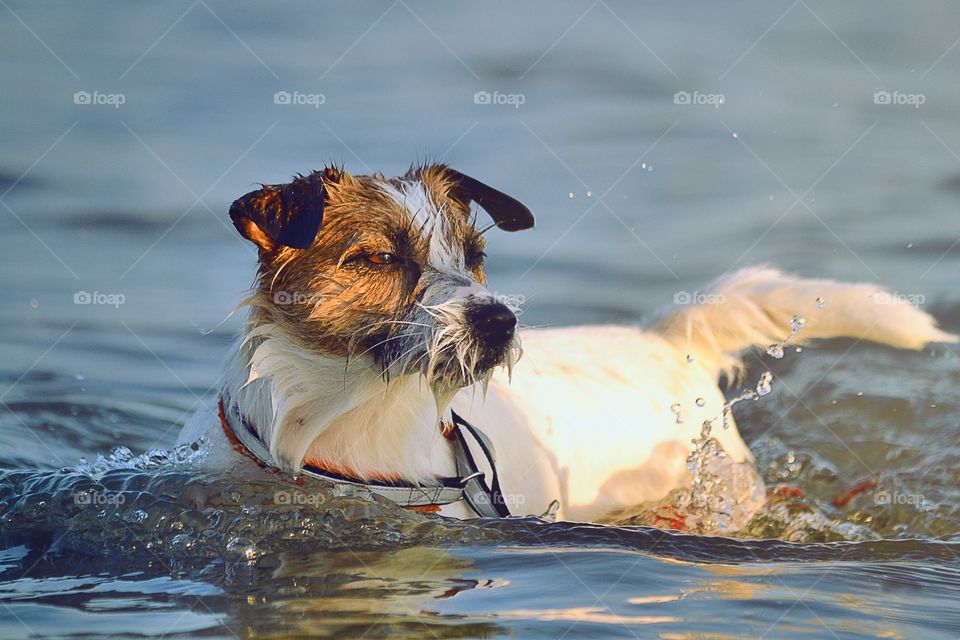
(659, 145)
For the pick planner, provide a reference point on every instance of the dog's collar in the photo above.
(469, 485)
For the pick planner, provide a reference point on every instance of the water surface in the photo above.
(637, 197)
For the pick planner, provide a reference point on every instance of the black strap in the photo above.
(486, 500)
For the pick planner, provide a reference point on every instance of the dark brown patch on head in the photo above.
(281, 215)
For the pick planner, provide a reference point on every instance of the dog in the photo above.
(374, 355)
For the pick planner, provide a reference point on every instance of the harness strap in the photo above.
(486, 500)
(469, 484)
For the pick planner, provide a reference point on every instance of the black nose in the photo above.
(495, 323)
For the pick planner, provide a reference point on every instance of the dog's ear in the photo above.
(287, 215)
(508, 213)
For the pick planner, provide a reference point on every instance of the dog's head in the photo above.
(390, 271)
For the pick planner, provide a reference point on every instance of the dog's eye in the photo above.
(381, 259)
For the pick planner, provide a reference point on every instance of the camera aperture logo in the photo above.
(897, 98)
(514, 100)
(98, 98)
(299, 98)
(99, 298)
(697, 98)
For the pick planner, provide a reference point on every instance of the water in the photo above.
(638, 198)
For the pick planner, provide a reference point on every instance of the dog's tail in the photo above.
(756, 306)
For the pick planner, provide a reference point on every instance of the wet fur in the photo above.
(352, 366)
(370, 332)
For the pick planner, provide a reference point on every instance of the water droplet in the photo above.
(820, 303)
(765, 385)
(675, 408)
(244, 548)
(571, 195)
(79, 377)
(797, 322)
(910, 245)
(701, 402)
(799, 349)
(34, 303)
(727, 414)
(736, 135)
(589, 194)
(860, 394)
(775, 350)
(689, 359)
(136, 516)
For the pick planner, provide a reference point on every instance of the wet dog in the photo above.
(375, 354)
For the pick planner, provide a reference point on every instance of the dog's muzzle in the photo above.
(455, 342)
(494, 324)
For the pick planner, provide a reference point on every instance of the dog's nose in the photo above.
(495, 323)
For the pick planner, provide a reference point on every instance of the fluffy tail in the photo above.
(755, 307)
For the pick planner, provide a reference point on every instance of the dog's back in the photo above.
(612, 410)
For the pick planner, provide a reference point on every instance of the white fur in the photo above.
(587, 417)
(430, 222)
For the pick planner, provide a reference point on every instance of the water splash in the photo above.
(797, 323)
(723, 495)
(153, 459)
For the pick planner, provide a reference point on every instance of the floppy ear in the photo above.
(281, 215)
(508, 213)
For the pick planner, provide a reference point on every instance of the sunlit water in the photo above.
(107, 531)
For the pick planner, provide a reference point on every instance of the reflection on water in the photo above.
(109, 544)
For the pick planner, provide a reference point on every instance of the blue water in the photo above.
(637, 198)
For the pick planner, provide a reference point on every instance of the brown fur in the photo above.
(328, 296)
